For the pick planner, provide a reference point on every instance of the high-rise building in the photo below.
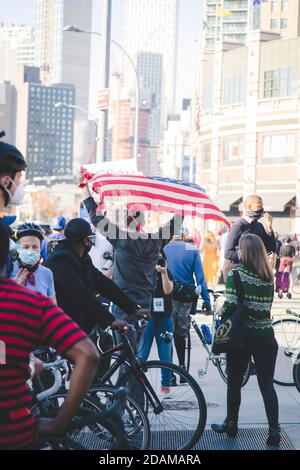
(278, 16)
(232, 27)
(249, 118)
(151, 26)
(16, 48)
(45, 132)
(8, 109)
(64, 57)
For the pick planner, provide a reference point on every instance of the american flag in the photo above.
(154, 193)
(197, 115)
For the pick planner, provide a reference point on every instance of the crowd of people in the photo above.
(52, 293)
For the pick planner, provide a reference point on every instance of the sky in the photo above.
(22, 12)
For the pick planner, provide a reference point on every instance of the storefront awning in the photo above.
(226, 201)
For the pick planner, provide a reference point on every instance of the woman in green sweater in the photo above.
(258, 284)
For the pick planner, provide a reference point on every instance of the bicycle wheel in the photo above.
(134, 419)
(287, 334)
(90, 437)
(296, 373)
(176, 413)
(221, 364)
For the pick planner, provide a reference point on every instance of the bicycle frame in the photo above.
(127, 356)
(209, 356)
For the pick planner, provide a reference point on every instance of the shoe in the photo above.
(173, 382)
(166, 392)
(230, 428)
(182, 379)
(274, 437)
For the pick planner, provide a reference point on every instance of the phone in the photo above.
(161, 262)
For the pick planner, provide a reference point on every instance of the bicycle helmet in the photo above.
(58, 223)
(11, 158)
(27, 229)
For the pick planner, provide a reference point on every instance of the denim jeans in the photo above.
(154, 329)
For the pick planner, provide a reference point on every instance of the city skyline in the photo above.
(189, 37)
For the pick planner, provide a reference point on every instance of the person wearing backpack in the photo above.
(257, 282)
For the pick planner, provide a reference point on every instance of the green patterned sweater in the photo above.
(258, 300)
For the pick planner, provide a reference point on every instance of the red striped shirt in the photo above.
(27, 320)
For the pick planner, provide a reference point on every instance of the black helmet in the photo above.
(27, 229)
(11, 158)
(78, 229)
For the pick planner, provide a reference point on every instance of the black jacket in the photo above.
(77, 282)
(242, 226)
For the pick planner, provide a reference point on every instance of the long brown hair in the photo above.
(254, 256)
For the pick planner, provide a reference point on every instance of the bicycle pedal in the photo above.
(200, 373)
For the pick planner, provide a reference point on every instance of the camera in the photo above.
(161, 262)
(167, 336)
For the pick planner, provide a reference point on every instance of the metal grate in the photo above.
(247, 439)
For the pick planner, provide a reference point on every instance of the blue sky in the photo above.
(22, 12)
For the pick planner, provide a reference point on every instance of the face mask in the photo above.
(17, 198)
(29, 257)
(88, 247)
(255, 215)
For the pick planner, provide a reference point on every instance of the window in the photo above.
(233, 151)
(283, 23)
(273, 24)
(279, 148)
(234, 90)
(275, 5)
(206, 155)
(285, 5)
(279, 83)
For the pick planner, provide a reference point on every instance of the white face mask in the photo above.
(17, 198)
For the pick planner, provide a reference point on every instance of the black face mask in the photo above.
(255, 215)
(88, 246)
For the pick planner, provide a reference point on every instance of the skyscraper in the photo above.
(64, 57)
(16, 48)
(150, 38)
(151, 26)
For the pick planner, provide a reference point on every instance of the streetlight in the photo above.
(62, 104)
(75, 29)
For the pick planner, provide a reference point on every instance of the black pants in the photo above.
(264, 352)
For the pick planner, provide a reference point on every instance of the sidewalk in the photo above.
(252, 420)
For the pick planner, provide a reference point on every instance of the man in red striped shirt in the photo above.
(28, 320)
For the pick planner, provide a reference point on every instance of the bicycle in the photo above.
(134, 424)
(287, 334)
(181, 418)
(218, 360)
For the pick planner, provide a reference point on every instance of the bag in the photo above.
(230, 336)
(184, 293)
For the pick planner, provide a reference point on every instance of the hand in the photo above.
(121, 325)
(268, 219)
(21, 277)
(86, 192)
(161, 269)
(142, 313)
(48, 427)
(38, 365)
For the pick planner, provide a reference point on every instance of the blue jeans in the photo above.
(154, 329)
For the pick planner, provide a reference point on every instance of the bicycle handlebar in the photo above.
(54, 367)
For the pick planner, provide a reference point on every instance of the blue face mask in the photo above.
(29, 257)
